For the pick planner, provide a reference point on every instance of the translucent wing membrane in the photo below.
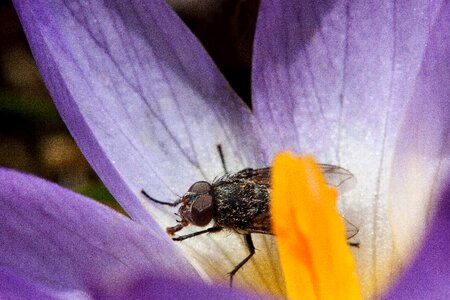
(335, 176)
(343, 180)
(338, 177)
(350, 229)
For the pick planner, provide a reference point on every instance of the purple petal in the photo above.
(54, 238)
(140, 95)
(422, 156)
(334, 79)
(159, 287)
(14, 287)
(146, 105)
(428, 275)
(323, 71)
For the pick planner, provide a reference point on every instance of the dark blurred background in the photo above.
(33, 137)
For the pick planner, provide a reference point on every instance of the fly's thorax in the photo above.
(239, 203)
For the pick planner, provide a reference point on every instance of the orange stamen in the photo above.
(315, 258)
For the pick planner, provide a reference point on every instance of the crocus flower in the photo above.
(362, 85)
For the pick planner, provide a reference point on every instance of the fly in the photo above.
(238, 202)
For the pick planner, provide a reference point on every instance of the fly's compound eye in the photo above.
(202, 210)
(200, 187)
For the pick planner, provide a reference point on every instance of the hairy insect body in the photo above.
(242, 206)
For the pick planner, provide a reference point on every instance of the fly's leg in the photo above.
(173, 229)
(356, 245)
(251, 248)
(222, 158)
(187, 236)
(173, 204)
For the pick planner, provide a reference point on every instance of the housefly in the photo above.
(238, 202)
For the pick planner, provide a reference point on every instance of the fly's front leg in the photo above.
(187, 236)
(251, 248)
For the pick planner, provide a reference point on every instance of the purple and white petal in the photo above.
(140, 95)
(428, 275)
(146, 105)
(335, 79)
(422, 154)
(61, 243)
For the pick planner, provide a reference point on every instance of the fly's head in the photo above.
(196, 207)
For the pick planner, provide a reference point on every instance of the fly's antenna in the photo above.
(222, 158)
(173, 204)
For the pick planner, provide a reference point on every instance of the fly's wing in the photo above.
(338, 177)
(350, 229)
(343, 180)
(335, 176)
